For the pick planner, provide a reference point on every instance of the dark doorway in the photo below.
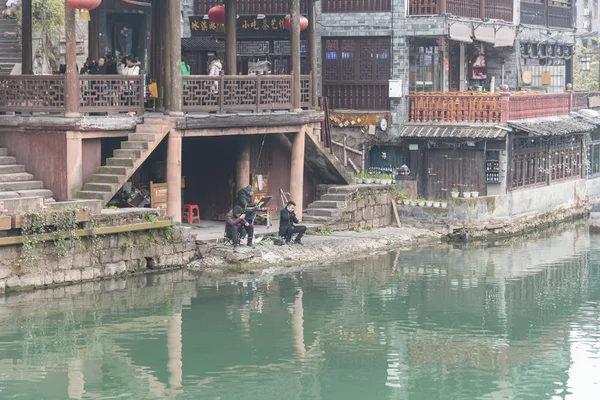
(454, 60)
(449, 169)
(137, 28)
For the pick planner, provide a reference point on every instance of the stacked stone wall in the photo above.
(369, 208)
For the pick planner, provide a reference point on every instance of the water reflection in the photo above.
(513, 321)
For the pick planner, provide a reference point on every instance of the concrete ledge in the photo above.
(59, 123)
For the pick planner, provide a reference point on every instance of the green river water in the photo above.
(520, 320)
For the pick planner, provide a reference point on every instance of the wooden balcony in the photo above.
(497, 9)
(357, 96)
(557, 15)
(467, 107)
(252, 7)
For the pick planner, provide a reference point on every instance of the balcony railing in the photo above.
(469, 107)
(256, 93)
(361, 96)
(46, 93)
(251, 7)
(497, 9)
(560, 16)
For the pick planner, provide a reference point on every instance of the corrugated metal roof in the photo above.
(554, 126)
(453, 131)
(201, 44)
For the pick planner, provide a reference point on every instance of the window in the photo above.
(346, 6)
(425, 74)
(356, 72)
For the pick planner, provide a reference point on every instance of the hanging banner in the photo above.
(247, 25)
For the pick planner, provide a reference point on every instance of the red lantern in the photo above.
(217, 15)
(287, 23)
(85, 4)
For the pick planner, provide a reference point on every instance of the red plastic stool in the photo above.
(190, 213)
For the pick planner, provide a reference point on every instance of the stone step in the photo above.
(45, 193)
(107, 170)
(127, 154)
(315, 219)
(105, 178)
(141, 137)
(17, 177)
(18, 186)
(342, 189)
(323, 212)
(88, 194)
(3, 152)
(11, 169)
(98, 187)
(327, 204)
(149, 128)
(6, 160)
(131, 145)
(95, 206)
(337, 197)
(9, 195)
(49, 200)
(23, 204)
(120, 162)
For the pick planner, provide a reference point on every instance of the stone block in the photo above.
(190, 246)
(115, 268)
(106, 256)
(2, 286)
(376, 223)
(346, 217)
(73, 275)
(351, 206)
(57, 277)
(87, 273)
(65, 263)
(367, 213)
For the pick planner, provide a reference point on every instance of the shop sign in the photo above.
(246, 25)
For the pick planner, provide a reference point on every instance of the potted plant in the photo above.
(474, 194)
(413, 202)
(368, 179)
(466, 194)
(429, 203)
(444, 204)
(437, 203)
(421, 202)
(359, 178)
(454, 193)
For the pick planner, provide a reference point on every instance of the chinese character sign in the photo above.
(272, 25)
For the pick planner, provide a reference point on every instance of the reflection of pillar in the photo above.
(175, 348)
(174, 175)
(230, 37)
(295, 53)
(312, 49)
(75, 388)
(298, 324)
(71, 76)
(297, 172)
(26, 38)
(243, 168)
(175, 46)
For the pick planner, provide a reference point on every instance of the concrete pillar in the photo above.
(295, 53)
(297, 172)
(312, 50)
(243, 168)
(72, 75)
(174, 146)
(230, 37)
(26, 39)
(74, 164)
(175, 350)
(175, 47)
(462, 85)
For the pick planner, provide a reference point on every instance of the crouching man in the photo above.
(287, 224)
(236, 226)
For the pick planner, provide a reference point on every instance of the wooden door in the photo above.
(448, 169)
(454, 61)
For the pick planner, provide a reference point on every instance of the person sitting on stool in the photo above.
(287, 224)
(235, 225)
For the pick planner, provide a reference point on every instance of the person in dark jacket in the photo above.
(235, 225)
(245, 200)
(100, 68)
(287, 224)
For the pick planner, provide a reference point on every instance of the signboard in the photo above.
(247, 25)
(158, 196)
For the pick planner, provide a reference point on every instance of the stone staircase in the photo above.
(321, 159)
(125, 161)
(10, 50)
(16, 183)
(330, 205)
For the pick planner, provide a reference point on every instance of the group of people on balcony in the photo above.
(108, 66)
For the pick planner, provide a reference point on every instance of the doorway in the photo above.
(127, 34)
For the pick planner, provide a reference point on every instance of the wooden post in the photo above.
(345, 151)
(230, 38)
(72, 75)
(482, 9)
(295, 54)
(312, 51)
(442, 7)
(26, 39)
(167, 58)
(94, 35)
(297, 171)
(504, 107)
(175, 46)
(242, 178)
(174, 146)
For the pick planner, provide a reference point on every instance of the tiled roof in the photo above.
(555, 126)
(454, 131)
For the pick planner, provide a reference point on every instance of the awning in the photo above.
(505, 36)
(460, 32)
(554, 126)
(485, 34)
(453, 131)
(201, 44)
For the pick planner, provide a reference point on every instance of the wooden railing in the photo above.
(256, 93)
(346, 6)
(372, 96)
(252, 7)
(487, 108)
(46, 93)
(542, 14)
(497, 9)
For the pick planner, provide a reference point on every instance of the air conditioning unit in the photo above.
(587, 12)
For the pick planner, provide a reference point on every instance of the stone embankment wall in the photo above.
(100, 256)
(368, 207)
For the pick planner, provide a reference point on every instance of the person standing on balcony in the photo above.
(100, 68)
(126, 40)
(129, 68)
(214, 69)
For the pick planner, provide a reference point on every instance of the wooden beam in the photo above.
(395, 209)
(107, 230)
(26, 39)
(251, 121)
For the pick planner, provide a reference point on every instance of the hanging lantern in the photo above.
(287, 23)
(85, 4)
(217, 15)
